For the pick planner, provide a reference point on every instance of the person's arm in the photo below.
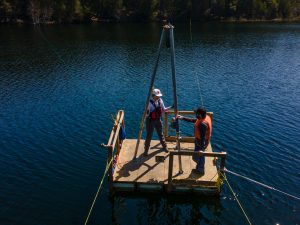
(163, 106)
(203, 129)
(187, 119)
(148, 109)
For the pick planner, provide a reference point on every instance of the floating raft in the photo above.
(159, 171)
(150, 173)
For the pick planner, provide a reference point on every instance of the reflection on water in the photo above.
(59, 86)
(166, 210)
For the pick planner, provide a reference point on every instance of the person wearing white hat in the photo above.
(156, 108)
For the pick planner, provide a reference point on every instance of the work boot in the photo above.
(165, 149)
(198, 172)
(145, 153)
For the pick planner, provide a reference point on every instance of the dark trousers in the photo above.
(150, 125)
(200, 160)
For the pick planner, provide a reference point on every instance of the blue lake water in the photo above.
(59, 86)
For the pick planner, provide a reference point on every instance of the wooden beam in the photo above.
(222, 155)
(118, 149)
(183, 139)
(116, 135)
(186, 112)
(113, 132)
(170, 173)
(110, 170)
(222, 164)
(166, 124)
(123, 121)
(206, 154)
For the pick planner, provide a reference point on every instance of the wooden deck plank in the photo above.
(188, 165)
(190, 178)
(185, 161)
(127, 168)
(147, 170)
(151, 170)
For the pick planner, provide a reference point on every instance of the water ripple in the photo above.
(60, 86)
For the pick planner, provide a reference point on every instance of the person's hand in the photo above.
(172, 107)
(179, 117)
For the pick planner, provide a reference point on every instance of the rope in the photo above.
(219, 180)
(240, 205)
(92, 206)
(51, 46)
(199, 90)
(261, 184)
(193, 69)
(112, 118)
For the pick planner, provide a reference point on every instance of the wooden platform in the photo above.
(150, 173)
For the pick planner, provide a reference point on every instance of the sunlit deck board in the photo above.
(150, 170)
(147, 171)
(188, 164)
(142, 169)
(127, 169)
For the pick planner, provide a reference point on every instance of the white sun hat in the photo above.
(156, 92)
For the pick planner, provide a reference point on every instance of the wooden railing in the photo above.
(114, 146)
(221, 155)
(168, 137)
(182, 138)
(114, 143)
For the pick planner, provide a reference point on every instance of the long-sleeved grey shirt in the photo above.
(160, 102)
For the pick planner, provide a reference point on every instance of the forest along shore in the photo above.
(76, 11)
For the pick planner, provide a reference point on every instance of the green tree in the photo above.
(5, 10)
(109, 8)
(259, 9)
(284, 8)
(272, 8)
(218, 8)
(60, 9)
(244, 8)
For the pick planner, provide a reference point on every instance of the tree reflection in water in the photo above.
(163, 209)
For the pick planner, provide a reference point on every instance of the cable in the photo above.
(92, 206)
(198, 82)
(193, 68)
(51, 46)
(225, 178)
(261, 184)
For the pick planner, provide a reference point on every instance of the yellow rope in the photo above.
(225, 178)
(219, 181)
(92, 206)
(113, 118)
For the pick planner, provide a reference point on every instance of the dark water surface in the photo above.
(59, 86)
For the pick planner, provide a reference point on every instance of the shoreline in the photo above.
(99, 20)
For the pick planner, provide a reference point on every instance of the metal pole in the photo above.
(171, 28)
(149, 94)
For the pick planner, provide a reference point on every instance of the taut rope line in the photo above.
(261, 184)
(193, 69)
(92, 206)
(234, 195)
